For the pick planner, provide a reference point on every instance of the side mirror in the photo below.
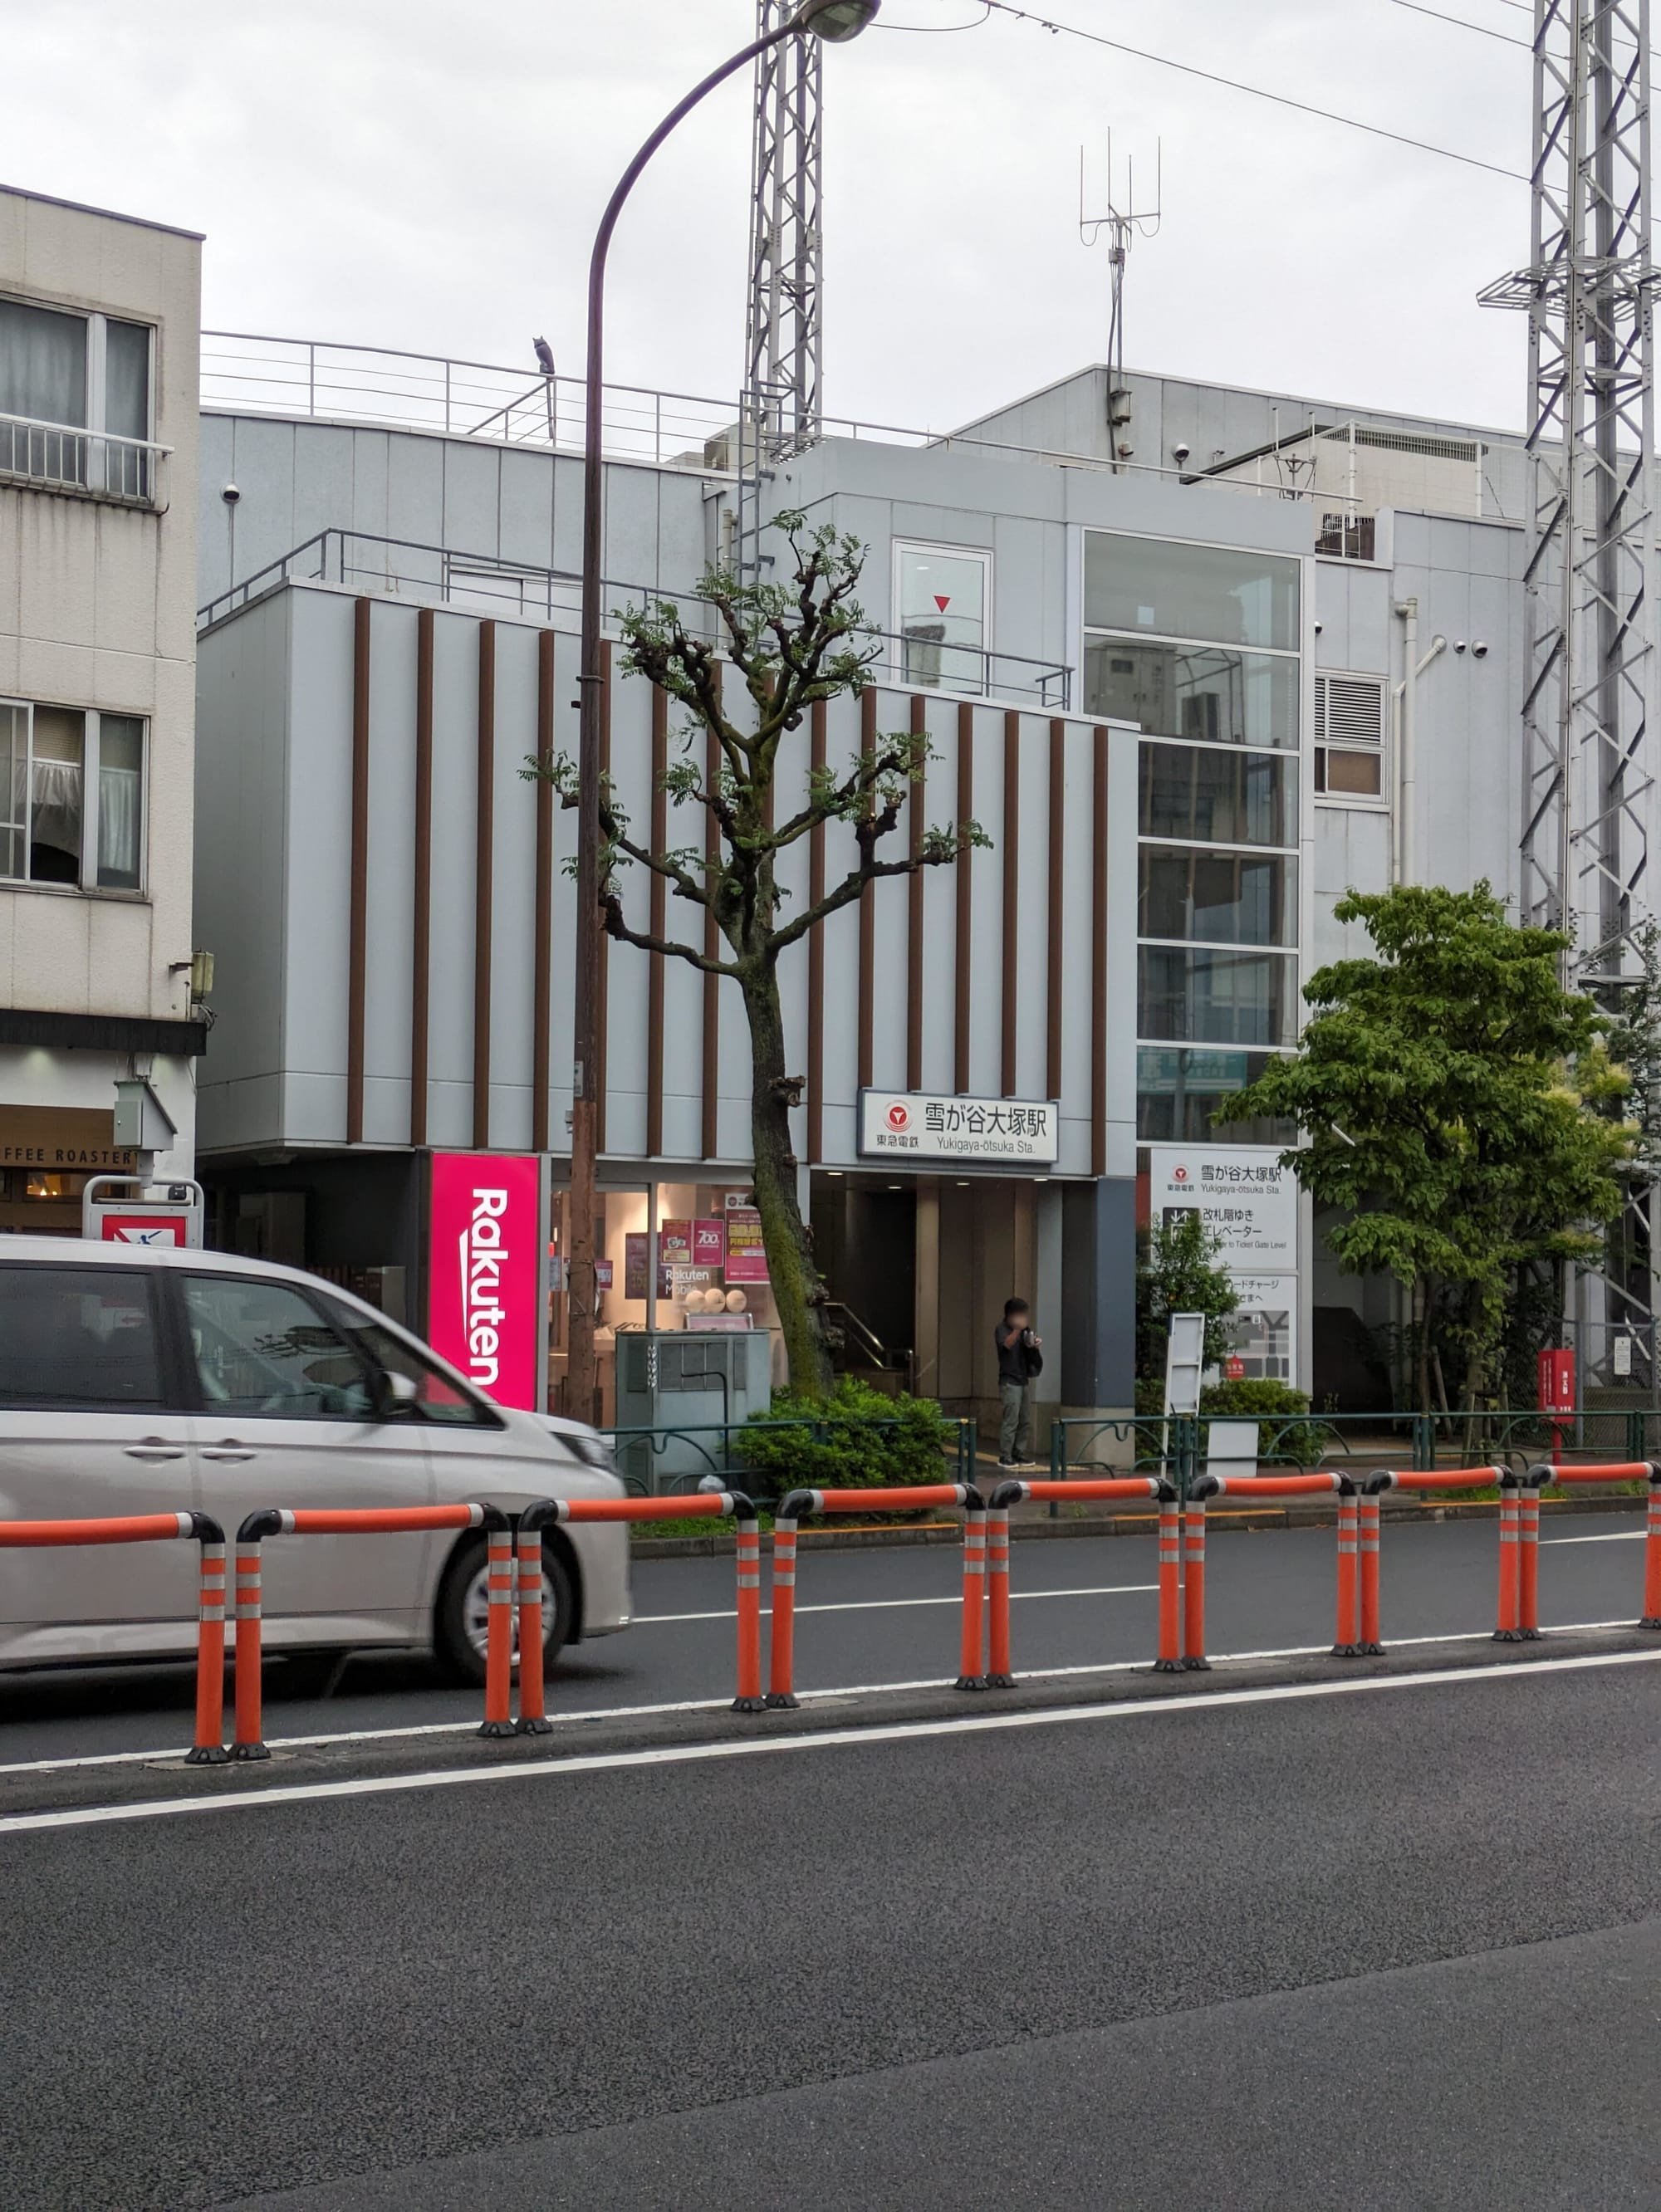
(392, 1394)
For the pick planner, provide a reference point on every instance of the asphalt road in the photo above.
(1394, 1949)
(881, 1616)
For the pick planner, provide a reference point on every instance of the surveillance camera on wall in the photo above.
(1480, 650)
(1180, 453)
(1319, 627)
(1458, 645)
(230, 494)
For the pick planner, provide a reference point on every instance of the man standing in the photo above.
(1020, 1356)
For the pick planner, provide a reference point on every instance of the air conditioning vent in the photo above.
(1349, 711)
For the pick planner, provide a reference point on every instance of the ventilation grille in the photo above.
(1409, 441)
(1349, 710)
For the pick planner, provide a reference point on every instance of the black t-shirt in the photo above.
(1017, 1361)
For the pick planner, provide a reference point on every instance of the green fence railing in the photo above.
(670, 1458)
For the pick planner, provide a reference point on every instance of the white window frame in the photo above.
(97, 323)
(1364, 802)
(898, 547)
(91, 749)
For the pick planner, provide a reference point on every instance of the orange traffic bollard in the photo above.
(1506, 1628)
(998, 1676)
(1347, 1640)
(1170, 1661)
(1194, 1658)
(533, 1717)
(209, 1749)
(1079, 1492)
(1368, 1554)
(500, 1575)
(1528, 1559)
(1652, 1618)
(781, 1673)
(349, 1521)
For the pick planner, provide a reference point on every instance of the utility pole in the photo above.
(783, 352)
(1590, 847)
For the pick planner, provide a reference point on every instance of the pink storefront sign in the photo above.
(482, 1304)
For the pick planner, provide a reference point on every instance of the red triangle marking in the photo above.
(942, 602)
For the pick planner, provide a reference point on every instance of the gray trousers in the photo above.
(1015, 1436)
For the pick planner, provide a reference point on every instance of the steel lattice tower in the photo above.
(1589, 777)
(781, 407)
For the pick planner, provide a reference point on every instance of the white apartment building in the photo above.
(100, 329)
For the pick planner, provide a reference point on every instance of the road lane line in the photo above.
(578, 1716)
(381, 1785)
(889, 1604)
(1615, 1536)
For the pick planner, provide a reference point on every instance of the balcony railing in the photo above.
(400, 567)
(96, 464)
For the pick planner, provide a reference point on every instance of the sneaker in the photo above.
(1008, 1466)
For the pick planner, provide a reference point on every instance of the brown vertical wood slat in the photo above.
(421, 924)
(710, 1132)
(1056, 892)
(542, 961)
(867, 923)
(963, 957)
(484, 882)
(1011, 848)
(358, 952)
(816, 958)
(659, 900)
(1099, 962)
(914, 970)
(603, 974)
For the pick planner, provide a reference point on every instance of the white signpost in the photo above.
(920, 1125)
(1249, 1202)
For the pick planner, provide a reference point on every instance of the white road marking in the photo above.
(1615, 1536)
(92, 1816)
(576, 1718)
(889, 1604)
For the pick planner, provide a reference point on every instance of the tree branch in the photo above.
(848, 890)
(617, 926)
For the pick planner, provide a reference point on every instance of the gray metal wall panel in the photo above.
(316, 892)
(513, 887)
(455, 829)
(472, 495)
(389, 965)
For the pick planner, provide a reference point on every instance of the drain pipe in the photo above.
(1405, 703)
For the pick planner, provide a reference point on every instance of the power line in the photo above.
(1257, 91)
(1464, 23)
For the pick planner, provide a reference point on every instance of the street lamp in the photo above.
(835, 21)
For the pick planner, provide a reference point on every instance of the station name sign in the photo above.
(921, 1125)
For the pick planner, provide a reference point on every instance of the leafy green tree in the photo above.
(1458, 1104)
(1176, 1272)
(790, 644)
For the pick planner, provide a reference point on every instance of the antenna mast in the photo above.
(781, 401)
(1121, 226)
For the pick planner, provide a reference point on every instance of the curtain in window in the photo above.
(127, 406)
(43, 364)
(120, 801)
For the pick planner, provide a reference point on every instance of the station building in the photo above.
(1198, 660)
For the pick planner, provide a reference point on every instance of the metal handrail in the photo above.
(86, 460)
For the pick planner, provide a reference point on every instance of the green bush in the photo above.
(1240, 1399)
(856, 1439)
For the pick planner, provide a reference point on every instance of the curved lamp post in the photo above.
(835, 21)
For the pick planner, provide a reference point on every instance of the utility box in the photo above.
(687, 1380)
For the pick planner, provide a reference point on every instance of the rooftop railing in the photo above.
(402, 567)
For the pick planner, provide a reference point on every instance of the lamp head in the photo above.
(837, 21)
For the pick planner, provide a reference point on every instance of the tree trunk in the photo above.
(1422, 1349)
(798, 1290)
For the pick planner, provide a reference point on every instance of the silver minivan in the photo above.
(138, 1380)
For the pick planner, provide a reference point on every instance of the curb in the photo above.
(1220, 1520)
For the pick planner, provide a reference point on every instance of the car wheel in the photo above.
(463, 1621)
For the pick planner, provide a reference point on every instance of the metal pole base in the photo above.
(1167, 1666)
(1345, 1651)
(249, 1751)
(497, 1728)
(971, 1682)
(1371, 1650)
(207, 1754)
(537, 1725)
(1508, 1635)
(779, 1701)
(1008, 1681)
(1649, 1621)
(1196, 1666)
(751, 1704)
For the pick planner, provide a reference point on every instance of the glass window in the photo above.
(1201, 692)
(1179, 1091)
(56, 795)
(120, 801)
(43, 364)
(1223, 898)
(1218, 797)
(1172, 590)
(260, 1348)
(78, 1339)
(940, 601)
(14, 791)
(437, 1398)
(127, 379)
(1214, 997)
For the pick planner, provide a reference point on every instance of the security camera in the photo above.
(230, 494)
(1458, 645)
(1125, 451)
(1480, 650)
(1180, 453)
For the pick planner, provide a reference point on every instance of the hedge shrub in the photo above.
(856, 1439)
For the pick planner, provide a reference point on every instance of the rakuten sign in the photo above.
(481, 1302)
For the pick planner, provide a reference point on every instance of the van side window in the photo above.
(437, 1398)
(260, 1348)
(78, 1340)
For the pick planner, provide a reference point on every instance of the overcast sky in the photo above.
(410, 174)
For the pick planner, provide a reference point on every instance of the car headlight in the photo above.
(593, 1451)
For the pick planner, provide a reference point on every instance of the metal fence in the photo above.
(641, 1450)
(57, 458)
